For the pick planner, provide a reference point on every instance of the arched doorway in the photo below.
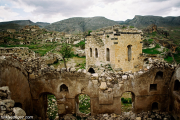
(48, 105)
(91, 70)
(127, 102)
(83, 104)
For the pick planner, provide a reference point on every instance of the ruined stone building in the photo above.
(118, 46)
(157, 89)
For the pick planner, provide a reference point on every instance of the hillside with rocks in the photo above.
(19, 24)
(79, 24)
(144, 21)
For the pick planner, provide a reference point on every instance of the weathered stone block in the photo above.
(103, 86)
(124, 77)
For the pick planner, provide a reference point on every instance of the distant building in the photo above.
(11, 30)
(118, 46)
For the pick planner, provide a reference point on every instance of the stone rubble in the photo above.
(7, 108)
(150, 115)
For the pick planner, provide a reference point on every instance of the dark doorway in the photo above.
(155, 106)
(91, 70)
(177, 85)
(18, 104)
(159, 75)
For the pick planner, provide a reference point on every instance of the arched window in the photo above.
(129, 52)
(107, 54)
(63, 88)
(159, 75)
(96, 52)
(155, 106)
(90, 52)
(177, 85)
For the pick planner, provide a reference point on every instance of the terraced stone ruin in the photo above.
(153, 83)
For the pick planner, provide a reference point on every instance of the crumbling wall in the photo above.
(13, 74)
(8, 108)
(174, 92)
(105, 90)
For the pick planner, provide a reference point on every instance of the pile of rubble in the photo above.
(125, 116)
(7, 109)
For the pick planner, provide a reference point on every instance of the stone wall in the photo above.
(21, 52)
(174, 99)
(13, 74)
(105, 90)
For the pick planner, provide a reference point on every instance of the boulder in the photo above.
(103, 86)
(19, 112)
(73, 69)
(124, 77)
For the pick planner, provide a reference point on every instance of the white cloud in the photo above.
(56, 10)
(7, 14)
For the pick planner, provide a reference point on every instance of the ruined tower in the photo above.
(118, 46)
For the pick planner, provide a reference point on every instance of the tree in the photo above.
(66, 52)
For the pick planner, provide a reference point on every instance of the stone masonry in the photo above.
(118, 46)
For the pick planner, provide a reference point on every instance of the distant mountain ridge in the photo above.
(80, 24)
(144, 21)
(18, 24)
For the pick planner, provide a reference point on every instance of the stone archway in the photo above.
(83, 105)
(127, 101)
(48, 105)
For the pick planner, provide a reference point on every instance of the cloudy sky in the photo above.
(56, 10)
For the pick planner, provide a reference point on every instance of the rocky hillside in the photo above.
(18, 24)
(144, 21)
(79, 24)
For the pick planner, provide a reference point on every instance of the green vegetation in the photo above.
(37, 48)
(131, 27)
(84, 103)
(152, 50)
(124, 27)
(126, 104)
(169, 59)
(107, 36)
(126, 100)
(66, 52)
(81, 65)
(52, 110)
(81, 44)
(89, 33)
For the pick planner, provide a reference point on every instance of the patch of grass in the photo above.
(169, 59)
(131, 26)
(151, 51)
